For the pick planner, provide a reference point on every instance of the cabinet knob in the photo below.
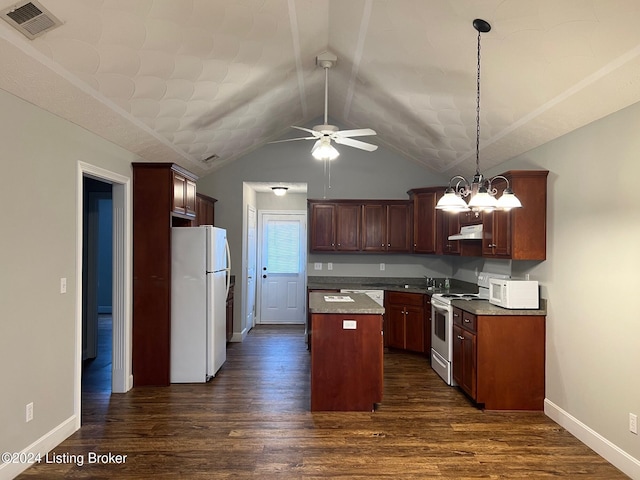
(466, 320)
(460, 337)
(456, 315)
(388, 244)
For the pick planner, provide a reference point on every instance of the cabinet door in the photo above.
(322, 231)
(190, 197)
(348, 227)
(458, 348)
(374, 227)
(414, 328)
(464, 360)
(179, 188)
(205, 209)
(424, 222)
(396, 326)
(496, 241)
(398, 228)
(450, 226)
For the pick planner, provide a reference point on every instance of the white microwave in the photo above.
(513, 294)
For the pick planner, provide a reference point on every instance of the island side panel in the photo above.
(346, 364)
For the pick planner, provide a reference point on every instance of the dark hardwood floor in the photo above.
(253, 422)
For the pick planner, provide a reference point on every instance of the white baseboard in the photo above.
(603, 447)
(42, 446)
(239, 336)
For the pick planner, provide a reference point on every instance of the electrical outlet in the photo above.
(317, 266)
(29, 412)
(633, 423)
(329, 266)
(382, 267)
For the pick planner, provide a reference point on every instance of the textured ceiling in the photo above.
(180, 81)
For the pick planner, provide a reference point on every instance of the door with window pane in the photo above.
(283, 262)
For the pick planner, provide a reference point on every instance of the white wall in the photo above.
(40, 155)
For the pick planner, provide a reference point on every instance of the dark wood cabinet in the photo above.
(448, 224)
(346, 364)
(498, 360)
(229, 313)
(205, 209)
(464, 352)
(424, 218)
(386, 227)
(154, 213)
(521, 233)
(334, 226)
(184, 193)
(358, 226)
(405, 315)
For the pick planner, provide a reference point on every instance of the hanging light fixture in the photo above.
(279, 191)
(480, 190)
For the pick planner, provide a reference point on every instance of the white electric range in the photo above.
(442, 325)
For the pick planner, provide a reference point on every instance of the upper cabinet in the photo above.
(386, 226)
(398, 226)
(335, 226)
(360, 226)
(205, 209)
(184, 192)
(520, 234)
(424, 218)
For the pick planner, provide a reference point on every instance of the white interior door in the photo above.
(283, 267)
(252, 246)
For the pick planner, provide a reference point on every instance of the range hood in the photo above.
(468, 232)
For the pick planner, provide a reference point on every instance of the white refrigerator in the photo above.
(200, 276)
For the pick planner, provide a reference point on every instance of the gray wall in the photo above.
(40, 154)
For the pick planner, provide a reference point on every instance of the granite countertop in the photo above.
(483, 307)
(361, 304)
(418, 285)
(410, 285)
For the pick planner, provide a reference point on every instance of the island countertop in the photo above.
(361, 304)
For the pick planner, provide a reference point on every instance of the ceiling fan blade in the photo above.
(315, 133)
(356, 143)
(356, 133)
(293, 139)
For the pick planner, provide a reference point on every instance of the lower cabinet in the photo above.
(346, 363)
(498, 360)
(406, 321)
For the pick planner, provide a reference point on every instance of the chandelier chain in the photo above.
(478, 111)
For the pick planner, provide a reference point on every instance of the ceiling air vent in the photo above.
(30, 18)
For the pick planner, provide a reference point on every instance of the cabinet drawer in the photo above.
(457, 316)
(468, 321)
(406, 298)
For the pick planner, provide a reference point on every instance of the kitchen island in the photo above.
(346, 352)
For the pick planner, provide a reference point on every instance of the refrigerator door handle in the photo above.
(228, 269)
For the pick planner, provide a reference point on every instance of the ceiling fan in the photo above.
(323, 134)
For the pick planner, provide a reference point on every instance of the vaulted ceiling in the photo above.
(189, 80)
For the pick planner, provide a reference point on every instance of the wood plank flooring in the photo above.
(253, 422)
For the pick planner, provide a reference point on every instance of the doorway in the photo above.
(97, 291)
(283, 260)
(121, 371)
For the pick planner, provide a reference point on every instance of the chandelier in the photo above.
(481, 192)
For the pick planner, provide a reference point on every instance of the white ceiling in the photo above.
(179, 81)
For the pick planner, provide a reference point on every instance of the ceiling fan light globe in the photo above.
(324, 151)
